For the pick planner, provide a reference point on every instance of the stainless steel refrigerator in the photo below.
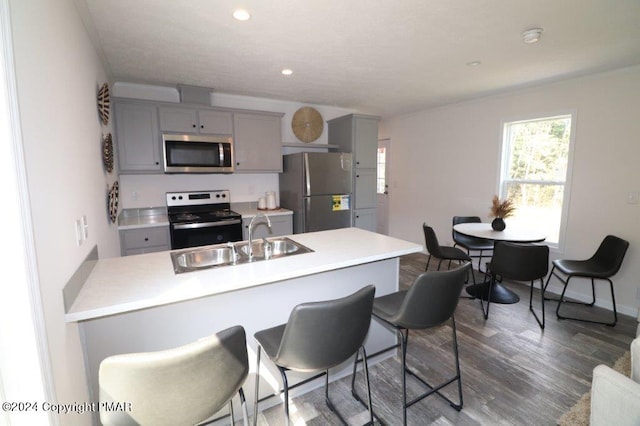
(317, 187)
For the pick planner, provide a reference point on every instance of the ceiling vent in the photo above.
(195, 94)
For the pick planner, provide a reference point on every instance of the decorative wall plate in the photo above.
(107, 152)
(307, 124)
(103, 103)
(112, 201)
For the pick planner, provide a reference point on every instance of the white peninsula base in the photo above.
(170, 324)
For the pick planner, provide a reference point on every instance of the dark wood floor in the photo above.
(512, 372)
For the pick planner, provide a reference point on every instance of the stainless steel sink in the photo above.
(202, 257)
(197, 258)
(279, 247)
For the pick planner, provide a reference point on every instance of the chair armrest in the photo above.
(615, 398)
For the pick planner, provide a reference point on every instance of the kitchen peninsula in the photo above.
(137, 303)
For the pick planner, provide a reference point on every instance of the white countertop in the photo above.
(147, 217)
(249, 210)
(124, 284)
(150, 217)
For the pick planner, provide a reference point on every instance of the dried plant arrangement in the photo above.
(501, 209)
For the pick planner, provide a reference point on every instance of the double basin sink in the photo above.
(198, 258)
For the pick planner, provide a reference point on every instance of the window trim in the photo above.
(502, 156)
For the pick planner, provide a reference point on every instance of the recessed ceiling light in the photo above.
(532, 35)
(474, 63)
(241, 15)
(287, 71)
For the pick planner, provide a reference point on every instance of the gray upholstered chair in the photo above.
(614, 396)
(181, 386)
(603, 265)
(443, 252)
(429, 302)
(317, 337)
(519, 262)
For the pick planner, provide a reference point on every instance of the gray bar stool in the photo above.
(184, 385)
(317, 337)
(429, 302)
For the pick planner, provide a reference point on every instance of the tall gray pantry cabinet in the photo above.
(358, 134)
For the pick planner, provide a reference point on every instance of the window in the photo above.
(535, 169)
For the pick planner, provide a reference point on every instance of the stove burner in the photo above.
(187, 216)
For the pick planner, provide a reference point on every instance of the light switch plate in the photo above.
(85, 228)
(633, 197)
(79, 232)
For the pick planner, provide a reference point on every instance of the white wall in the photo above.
(149, 190)
(58, 75)
(445, 163)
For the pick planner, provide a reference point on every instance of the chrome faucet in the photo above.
(234, 252)
(251, 232)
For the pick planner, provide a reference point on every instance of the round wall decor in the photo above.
(112, 201)
(107, 152)
(103, 103)
(307, 124)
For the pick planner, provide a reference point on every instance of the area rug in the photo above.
(579, 414)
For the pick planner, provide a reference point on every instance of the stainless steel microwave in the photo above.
(197, 153)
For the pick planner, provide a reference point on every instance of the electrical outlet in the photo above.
(633, 197)
(134, 195)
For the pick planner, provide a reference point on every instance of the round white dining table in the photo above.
(513, 234)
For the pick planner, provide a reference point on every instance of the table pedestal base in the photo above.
(499, 293)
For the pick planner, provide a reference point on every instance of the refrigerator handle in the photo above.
(307, 212)
(307, 178)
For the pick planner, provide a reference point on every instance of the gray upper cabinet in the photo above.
(137, 137)
(186, 120)
(139, 126)
(257, 139)
(358, 134)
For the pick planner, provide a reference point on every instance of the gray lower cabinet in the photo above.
(137, 137)
(280, 225)
(188, 120)
(365, 219)
(257, 140)
(144, 240)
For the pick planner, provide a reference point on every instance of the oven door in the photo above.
(184, 235)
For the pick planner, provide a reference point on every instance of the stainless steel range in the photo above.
(202, 218)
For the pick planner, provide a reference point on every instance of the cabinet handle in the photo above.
(357, 176)
(157, 163)
(193, 125)
(202, 126)
(146, 238)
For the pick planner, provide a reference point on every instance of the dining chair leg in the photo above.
(243, 406)
(233, 419)
(540, 323)
(285, 385)
(368, 405)
(486, 312)
(366, 379)
(458, 374)
(256, 387)
(404, 337)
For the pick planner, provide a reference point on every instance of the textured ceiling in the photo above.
(383, 56)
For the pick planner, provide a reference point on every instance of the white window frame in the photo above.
(503, 166)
